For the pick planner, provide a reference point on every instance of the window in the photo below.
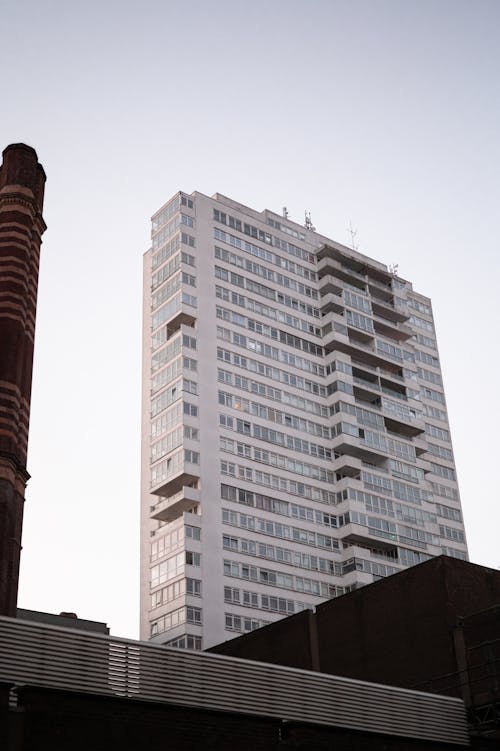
(185, 642)
(187, 239)
(228, 468)
(193, 615)
(230, 543)
(251, 599)
(186, 201)
(193, 559)
(232, 594)
(190, 409)
(188, 341)
(446, 472)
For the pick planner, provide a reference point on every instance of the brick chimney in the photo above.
(22, 183)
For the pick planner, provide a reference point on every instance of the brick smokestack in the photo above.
(22, 183)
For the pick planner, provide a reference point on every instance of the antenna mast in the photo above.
(353, 233)
(308, 221)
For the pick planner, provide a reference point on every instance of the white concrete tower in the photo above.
(295, 441)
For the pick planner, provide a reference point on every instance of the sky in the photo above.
(380, 113)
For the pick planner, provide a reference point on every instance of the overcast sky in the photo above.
(382, 113)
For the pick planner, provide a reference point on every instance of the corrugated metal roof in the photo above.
(54, 657)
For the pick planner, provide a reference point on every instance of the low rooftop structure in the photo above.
(82, 680)
(433, 627)
(70, 620)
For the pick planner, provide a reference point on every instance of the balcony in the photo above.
(360, 337)
(187, 475)
(399, 425)
(352, 452)
(366, 394)
(363, 354)
(391, 329)
(328, 267)
(380, 555)
(385, 309)
(184, 316)
(396, 390)
(348, 483)
(168, 509)
(332, 302)
(395, 375)
(364, 387)
(329, 285)
(420, 442)
(364, 366)
(365, 382)
(381, 289)
(336, 338)
(352, 534)
(347, 466)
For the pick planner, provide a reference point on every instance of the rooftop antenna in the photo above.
(308, 221)
(393, 269)
(353, 233)
(285, 212)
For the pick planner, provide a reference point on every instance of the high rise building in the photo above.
(295, 440)
(22, 184)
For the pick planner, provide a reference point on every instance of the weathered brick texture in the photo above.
(22, 181)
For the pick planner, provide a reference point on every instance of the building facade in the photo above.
(295, 440)
(22, 185)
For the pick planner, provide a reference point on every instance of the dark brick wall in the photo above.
(286, 642)
(62, 721)
(11, 524)
(395, 631)
(398, 631)
(481, 640)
